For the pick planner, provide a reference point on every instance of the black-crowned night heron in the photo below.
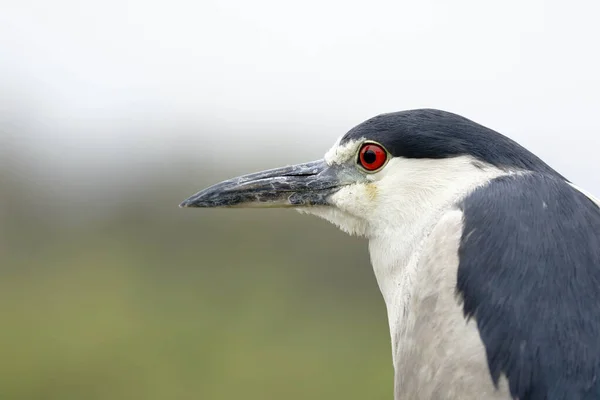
(488, 260)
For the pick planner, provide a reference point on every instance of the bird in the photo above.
(487, 259)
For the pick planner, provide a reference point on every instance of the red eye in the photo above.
(372, 156)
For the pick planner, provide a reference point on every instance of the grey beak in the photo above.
(299, 185)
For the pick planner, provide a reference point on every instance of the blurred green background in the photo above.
(113, 292)
(140, 299)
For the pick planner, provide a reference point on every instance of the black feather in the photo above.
(428, 133)
(529, 274)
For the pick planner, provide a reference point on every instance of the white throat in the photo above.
(396, 239)
(396, 209)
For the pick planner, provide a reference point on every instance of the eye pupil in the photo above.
(370, 157)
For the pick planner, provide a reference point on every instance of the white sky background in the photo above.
(110, 86)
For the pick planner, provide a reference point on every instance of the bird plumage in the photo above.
(529, 274)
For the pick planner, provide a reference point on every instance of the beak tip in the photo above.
(196, 202)
(186, 204)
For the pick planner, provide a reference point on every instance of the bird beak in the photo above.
(300, 185)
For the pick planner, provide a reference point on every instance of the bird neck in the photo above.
(404, 238)
(427, 324)
(395, 260)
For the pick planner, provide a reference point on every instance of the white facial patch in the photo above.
(409, 192)
(403, 193)
(352, 223)
(340, 154)
(346, 222)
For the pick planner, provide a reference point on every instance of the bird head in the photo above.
(389, 171)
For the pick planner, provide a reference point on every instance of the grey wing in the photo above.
(529, 275)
